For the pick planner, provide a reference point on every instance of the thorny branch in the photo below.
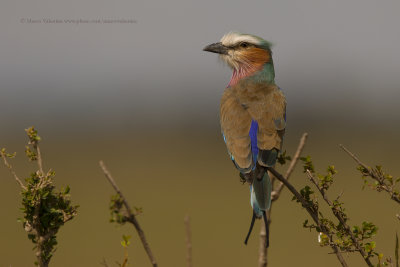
(313, 211)
(131, 216)
(377, 175)
(339, 215)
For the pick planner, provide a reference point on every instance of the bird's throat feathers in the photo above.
(254, 63)
(264, 73)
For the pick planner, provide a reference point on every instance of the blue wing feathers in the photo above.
(253, 138)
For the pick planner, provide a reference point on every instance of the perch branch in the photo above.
(263, 250)
(131, 217)
(276, 193)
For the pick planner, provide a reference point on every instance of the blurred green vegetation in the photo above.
(171, 173)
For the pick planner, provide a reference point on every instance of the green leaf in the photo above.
(282, 158)
(32, 134)
(308, 164)
(8, 155)
(369, 247)
(125, 242)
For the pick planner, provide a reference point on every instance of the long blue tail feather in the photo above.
(260, 199)
(261, 195)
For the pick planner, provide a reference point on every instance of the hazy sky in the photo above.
(339, 58)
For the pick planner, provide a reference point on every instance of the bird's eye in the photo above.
(244, 45)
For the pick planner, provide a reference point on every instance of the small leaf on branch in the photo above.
(308, 164)
(282, 158)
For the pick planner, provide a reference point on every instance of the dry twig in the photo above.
(131, 216)
(188, 241)
(277, 191)
(374, 174)
(9, 167)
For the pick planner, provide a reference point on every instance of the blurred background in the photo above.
(144, 97)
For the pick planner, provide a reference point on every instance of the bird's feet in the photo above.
(247, 177)
(259, 172)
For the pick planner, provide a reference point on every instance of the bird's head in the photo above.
(242, 51)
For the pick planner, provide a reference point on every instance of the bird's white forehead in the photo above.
(234, 38)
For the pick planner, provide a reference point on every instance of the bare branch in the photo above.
(277, 191)
(313, 213)
(8, 165)
(375, 175)
(188, 241)
(39, 158)
(263, 250)
(131, 217)
(342, 220)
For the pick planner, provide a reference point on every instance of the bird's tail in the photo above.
(260, 202)
(261, 195)
(260, 189)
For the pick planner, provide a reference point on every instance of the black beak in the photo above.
(218, 48)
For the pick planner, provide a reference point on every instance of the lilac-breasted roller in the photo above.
(252, 114)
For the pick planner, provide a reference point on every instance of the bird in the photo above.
(252, 115)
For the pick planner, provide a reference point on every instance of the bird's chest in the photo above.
(252, 97)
